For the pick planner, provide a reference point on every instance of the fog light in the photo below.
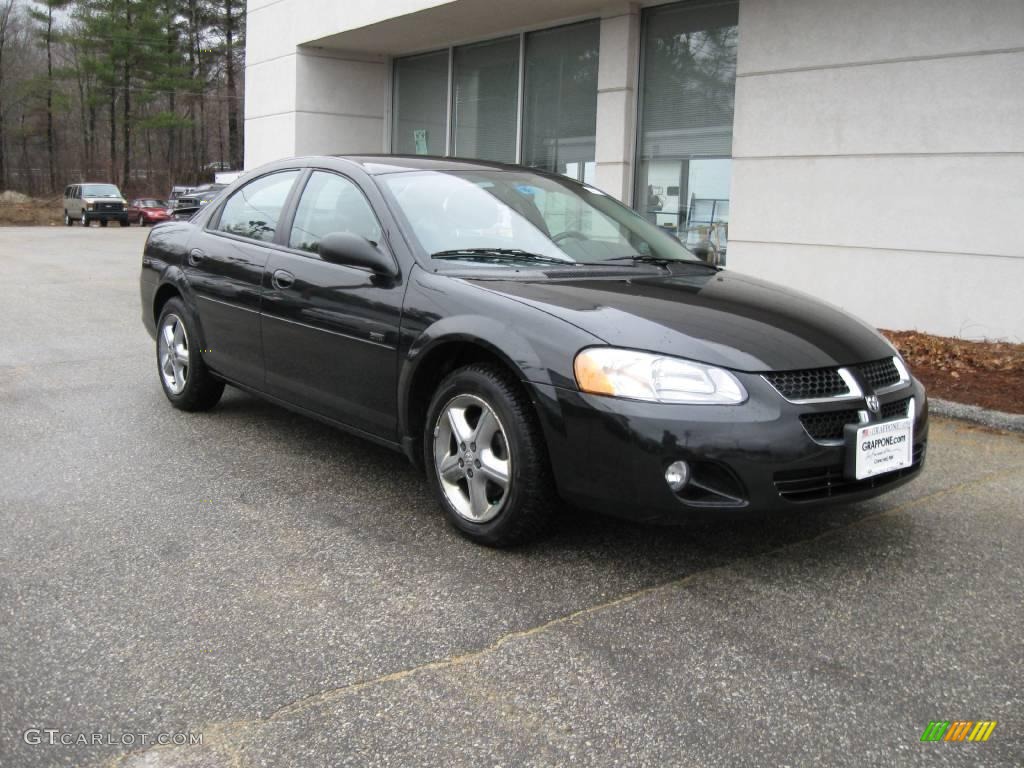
(677, 475)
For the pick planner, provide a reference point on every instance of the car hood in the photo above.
(722, 318)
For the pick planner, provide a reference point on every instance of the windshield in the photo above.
(476, 215)
(150, 203)
(100, 190)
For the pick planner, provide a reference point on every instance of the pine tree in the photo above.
(44, 16)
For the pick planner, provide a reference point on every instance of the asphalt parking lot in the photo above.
(293, 594)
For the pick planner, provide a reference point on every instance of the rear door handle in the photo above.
(195, 256)
(281, 279)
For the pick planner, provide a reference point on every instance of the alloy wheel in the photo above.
(142, 221)
(472, 459)
(85, 221)
(173, 354)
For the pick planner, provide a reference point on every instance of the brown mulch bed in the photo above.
(985, 373)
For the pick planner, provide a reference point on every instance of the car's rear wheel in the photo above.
(486, 458)
(185, 379)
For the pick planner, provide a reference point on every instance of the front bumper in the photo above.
(106, 215)
(610, 454)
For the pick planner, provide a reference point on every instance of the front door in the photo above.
(226, 262)
(330, 332)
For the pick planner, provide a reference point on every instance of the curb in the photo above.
(1012, 422)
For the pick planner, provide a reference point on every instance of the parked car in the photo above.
(148, 210)
(177, 192)
(186, 206)
(524, 338)
(86, 203)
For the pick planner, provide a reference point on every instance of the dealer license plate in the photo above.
(883, 447)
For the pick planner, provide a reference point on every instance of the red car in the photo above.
(148, 210)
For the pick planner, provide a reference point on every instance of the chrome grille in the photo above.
(896, 409)
(811, 384)
(880, 374)
(828, 425)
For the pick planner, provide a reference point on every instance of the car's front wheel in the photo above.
(84, 220)
(486, 458)
(185, 379)
(142, 220)
(67, 220)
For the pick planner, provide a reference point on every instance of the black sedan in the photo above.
(525, 338)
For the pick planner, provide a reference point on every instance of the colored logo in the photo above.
(958, 730)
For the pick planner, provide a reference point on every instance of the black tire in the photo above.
(142, 221)
(84, 220)
(528, 507)
(201, 390)
(68, 221)
(125, 222)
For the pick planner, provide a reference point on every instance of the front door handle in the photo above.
(281, 279)
(195, 256)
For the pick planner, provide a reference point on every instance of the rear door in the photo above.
(225, 268)
(330, 332)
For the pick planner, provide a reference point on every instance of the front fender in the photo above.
(536, 346)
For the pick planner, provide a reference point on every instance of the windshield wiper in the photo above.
(499, 254)
(644, 258)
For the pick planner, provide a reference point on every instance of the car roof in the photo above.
(380, 164)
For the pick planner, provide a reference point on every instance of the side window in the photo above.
(331, 203)
(255, 209)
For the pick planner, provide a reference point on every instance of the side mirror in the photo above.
(353, 251)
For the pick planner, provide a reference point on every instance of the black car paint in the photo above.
(347, 346)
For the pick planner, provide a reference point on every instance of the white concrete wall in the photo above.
(879, 158)
(305, 100)
(618, 65)
(312, 103)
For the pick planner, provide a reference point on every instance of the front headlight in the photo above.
(656, 378)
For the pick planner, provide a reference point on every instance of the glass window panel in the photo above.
(485, 100)
(254, 210)
(560, 99)
(420, 104)
(685, 142)
(331, 203)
